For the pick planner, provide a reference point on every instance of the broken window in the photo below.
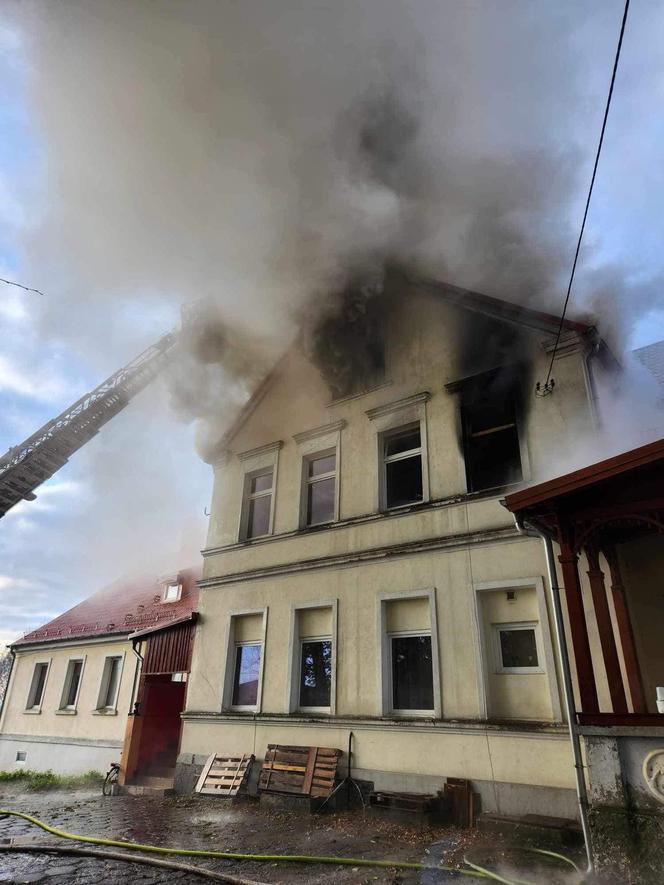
(315, 673)
(516, 648)
(37, 686)
(412, 673)
(246, 674)
(402, 466)
(492, 452)
(71, 685)
(258, 504)
(321, 480)
(110, 683)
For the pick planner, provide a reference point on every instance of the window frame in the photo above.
(389, 419)
(405, 634)
(248, 643)
(385, 656)
(401, 456)
(295, 645)
(308, 481)
(109, 709)
(37, 708)
(256, 462)
(66, 685)
(231, 657)
(167, 586)
(499, 667)
(300, 706)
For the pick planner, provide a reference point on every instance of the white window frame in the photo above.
(385, 657)
(256, 462)
(499, 668)
(37, 708)
(109, 709)
(231, 656)
(18, 761)
(178, 591)
(484, 652)
(71, 708)
(308, 481)
(316, 443)
(392, 418)
(295, 657)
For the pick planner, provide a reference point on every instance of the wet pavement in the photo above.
(203, 823)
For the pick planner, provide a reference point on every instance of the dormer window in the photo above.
(172, 591)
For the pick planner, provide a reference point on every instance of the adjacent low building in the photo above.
(74, 681)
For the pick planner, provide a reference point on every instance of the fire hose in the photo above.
(474, 870)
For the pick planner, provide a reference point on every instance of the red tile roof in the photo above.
(122, 608)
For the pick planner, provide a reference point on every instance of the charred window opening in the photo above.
(349, 347)
(490, 412)
(402, 464)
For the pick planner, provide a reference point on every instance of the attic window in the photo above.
(172, 591)
(489, 408)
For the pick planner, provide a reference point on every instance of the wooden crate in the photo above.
(303, 771)
(418, 803)
(224, 775)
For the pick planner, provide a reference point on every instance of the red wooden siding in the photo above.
(169, 651)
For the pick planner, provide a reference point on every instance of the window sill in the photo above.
(312, 711)
(32, 712)
(412, 714)
(65, 712)
(242, 711)
(107, 712)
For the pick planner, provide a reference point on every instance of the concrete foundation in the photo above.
(61, 755)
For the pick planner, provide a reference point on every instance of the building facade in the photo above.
(74, 681)
(360, 573)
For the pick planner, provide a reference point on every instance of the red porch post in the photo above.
(577, 619)
(606, 637)
(626, 634)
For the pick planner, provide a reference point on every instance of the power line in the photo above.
(547, 388)
(21, 286)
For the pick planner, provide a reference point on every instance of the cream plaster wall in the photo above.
(85, 723)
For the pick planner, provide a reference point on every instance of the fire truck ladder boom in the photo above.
(35, 460)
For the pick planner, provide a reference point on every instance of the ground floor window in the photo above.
(71, 685)
(37, 686)
(247, 674)
(412, 672)
(515, 647)
(110, 683)
(315, 673)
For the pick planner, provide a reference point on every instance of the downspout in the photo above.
(593, 342)
(524, 527)
(133, 706)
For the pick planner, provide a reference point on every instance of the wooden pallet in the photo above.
(304, 771)
(418, 803)
(224, 775)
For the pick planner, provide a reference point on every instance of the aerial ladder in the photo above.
(26, 466)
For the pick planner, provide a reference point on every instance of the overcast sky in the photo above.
(118, 200)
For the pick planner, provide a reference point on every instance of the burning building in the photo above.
(360, 572)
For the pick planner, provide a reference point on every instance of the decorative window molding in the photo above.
(315, 433)
(71, 687)
(109, 688)
(406, 413)
(386, 637)
(234, 642)
(257, 463)
(38, 683)
(295, 651)
(486, 648)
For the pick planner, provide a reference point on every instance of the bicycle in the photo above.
(111, 779)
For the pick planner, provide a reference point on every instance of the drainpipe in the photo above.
(593, 342)
(133, 706)
(563, 655)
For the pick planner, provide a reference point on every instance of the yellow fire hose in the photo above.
(474, 871)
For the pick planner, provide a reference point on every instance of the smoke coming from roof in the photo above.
(261, 155)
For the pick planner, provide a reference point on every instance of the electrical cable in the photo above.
(21, 286)
(590, 191)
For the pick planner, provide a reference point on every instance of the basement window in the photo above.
(402, 466)
(315, 674)
(21, 757)
(37, 686)
(412, 673)
(110, 684)
(71, 685)
(258, 504)
(490, 432)
(246, 675)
